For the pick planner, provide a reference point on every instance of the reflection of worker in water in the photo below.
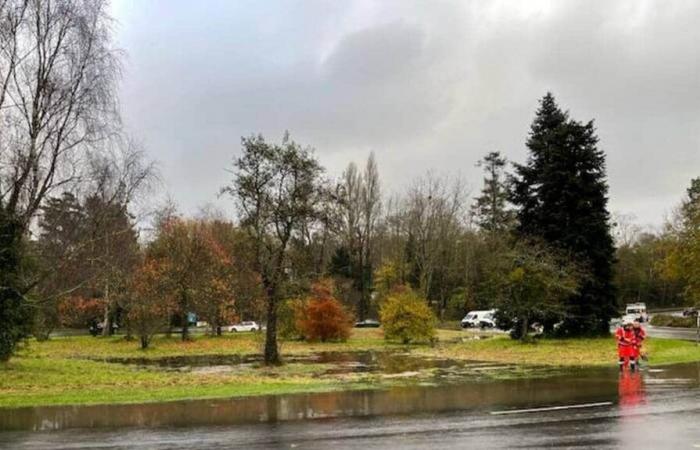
(631, 389)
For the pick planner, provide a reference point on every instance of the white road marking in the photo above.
(550, 408)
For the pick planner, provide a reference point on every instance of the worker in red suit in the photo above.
(639, 336)
(626, 342)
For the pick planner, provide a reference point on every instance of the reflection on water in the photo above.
(582, 386)
(631, 391)
(404, 400)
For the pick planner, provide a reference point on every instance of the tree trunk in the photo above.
(185, 318)
(107, 328)
(525, 326)
(169, 328)
(272, 356)
(128, 332)
(362, 310)
(144, 342)
(185, 334)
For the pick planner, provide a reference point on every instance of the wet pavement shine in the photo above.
(599, 408)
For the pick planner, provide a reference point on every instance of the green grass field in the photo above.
(72, 370)
(563, 352)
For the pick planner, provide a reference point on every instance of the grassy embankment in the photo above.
(564, 352)
(72, 370)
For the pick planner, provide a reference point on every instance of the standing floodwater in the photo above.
(658, 404)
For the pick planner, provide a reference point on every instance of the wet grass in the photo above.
(562, 352)
(73, 370)
(162, 346)
(41, 381)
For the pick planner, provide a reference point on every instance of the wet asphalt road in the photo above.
(688, 334)
(651, 411)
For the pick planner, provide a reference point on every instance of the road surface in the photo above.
(688, 334)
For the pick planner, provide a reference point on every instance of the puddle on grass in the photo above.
(393, 366)
(390, 365)
(175, 362)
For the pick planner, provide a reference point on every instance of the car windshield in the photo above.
(470, 316)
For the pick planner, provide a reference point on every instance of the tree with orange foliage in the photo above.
(323, 318)
(79, 312)
(207, 270)
(227, 283)
(183, 252)
(150, 301)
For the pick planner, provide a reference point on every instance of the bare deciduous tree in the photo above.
(434, 219)
(359, 196)
(58, 75)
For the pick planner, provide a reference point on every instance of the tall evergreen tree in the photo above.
(490, 209)
(15, 313)
(561, 193)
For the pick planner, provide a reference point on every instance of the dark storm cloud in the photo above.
(424, 84)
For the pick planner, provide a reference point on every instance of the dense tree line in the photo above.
(659, 267)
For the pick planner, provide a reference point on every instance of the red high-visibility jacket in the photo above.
(626, 343)
(625, 338)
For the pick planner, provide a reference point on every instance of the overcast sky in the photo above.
(424, 84)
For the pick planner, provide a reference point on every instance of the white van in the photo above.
(479, 319)
(637, 311)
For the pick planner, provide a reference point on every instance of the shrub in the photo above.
(407, 318)
(459, 303)
(323, 318)
(667, 320)
(287, 314)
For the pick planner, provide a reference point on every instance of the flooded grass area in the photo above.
(568, 387)
(86, 370)
(357, 366)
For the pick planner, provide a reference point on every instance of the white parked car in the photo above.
(243, 326)
(479, 319)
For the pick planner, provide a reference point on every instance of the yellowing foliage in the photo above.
(407, 318)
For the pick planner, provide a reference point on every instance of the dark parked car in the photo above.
(367, 323)
(690, 312)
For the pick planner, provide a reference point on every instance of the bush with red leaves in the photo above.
(323, 318)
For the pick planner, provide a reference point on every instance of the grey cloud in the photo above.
(423, 84)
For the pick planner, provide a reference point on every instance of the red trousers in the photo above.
(627, 351)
